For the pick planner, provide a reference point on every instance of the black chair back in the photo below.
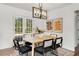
(19, 38)
(48, 48)
(44, 42)
(16, 40)
(58, 42)
(43, 49)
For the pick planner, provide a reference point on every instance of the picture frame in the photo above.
(36, 12)
(43, 14)
(39, 13)
(49, 25)
(58, 25)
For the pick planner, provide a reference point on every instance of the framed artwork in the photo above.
(39, 13)
(36, 12)
(58, 25)
(49, 25)
(43, 14)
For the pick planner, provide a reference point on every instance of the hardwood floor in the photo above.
(77, 50)
(8, 51)
(13, 52)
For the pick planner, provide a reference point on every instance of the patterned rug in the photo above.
(59, 51)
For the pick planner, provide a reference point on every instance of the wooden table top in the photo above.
(40, 38)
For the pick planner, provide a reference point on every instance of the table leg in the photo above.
(32, 49)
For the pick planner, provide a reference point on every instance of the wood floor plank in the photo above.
(13, 52)
(5, 52)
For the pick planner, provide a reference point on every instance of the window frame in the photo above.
(19, 28)
(28, 25)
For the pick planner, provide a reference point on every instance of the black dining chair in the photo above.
(57, 43)
(28, 43)
(23, 49)
(21, 45)
(17, 39)
(42, 49)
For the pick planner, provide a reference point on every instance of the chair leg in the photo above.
(27, 53)
(54, 53)
(19, 53)
(44, 54)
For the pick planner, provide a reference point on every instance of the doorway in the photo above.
(77, 33)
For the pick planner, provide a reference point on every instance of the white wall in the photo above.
(41, 23)
(7, 23)
(67, 13)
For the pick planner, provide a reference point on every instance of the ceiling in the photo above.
(45, 6)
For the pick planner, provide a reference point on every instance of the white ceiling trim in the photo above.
(46, 6)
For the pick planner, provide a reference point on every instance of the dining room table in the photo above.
(37, 39)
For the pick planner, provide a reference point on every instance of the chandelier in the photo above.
(39, 12)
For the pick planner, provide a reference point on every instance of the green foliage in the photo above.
(18, 25)
(28, 26)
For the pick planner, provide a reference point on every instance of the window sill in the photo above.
(19, 34)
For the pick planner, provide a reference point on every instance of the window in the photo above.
(18, 25)
(28, 26)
